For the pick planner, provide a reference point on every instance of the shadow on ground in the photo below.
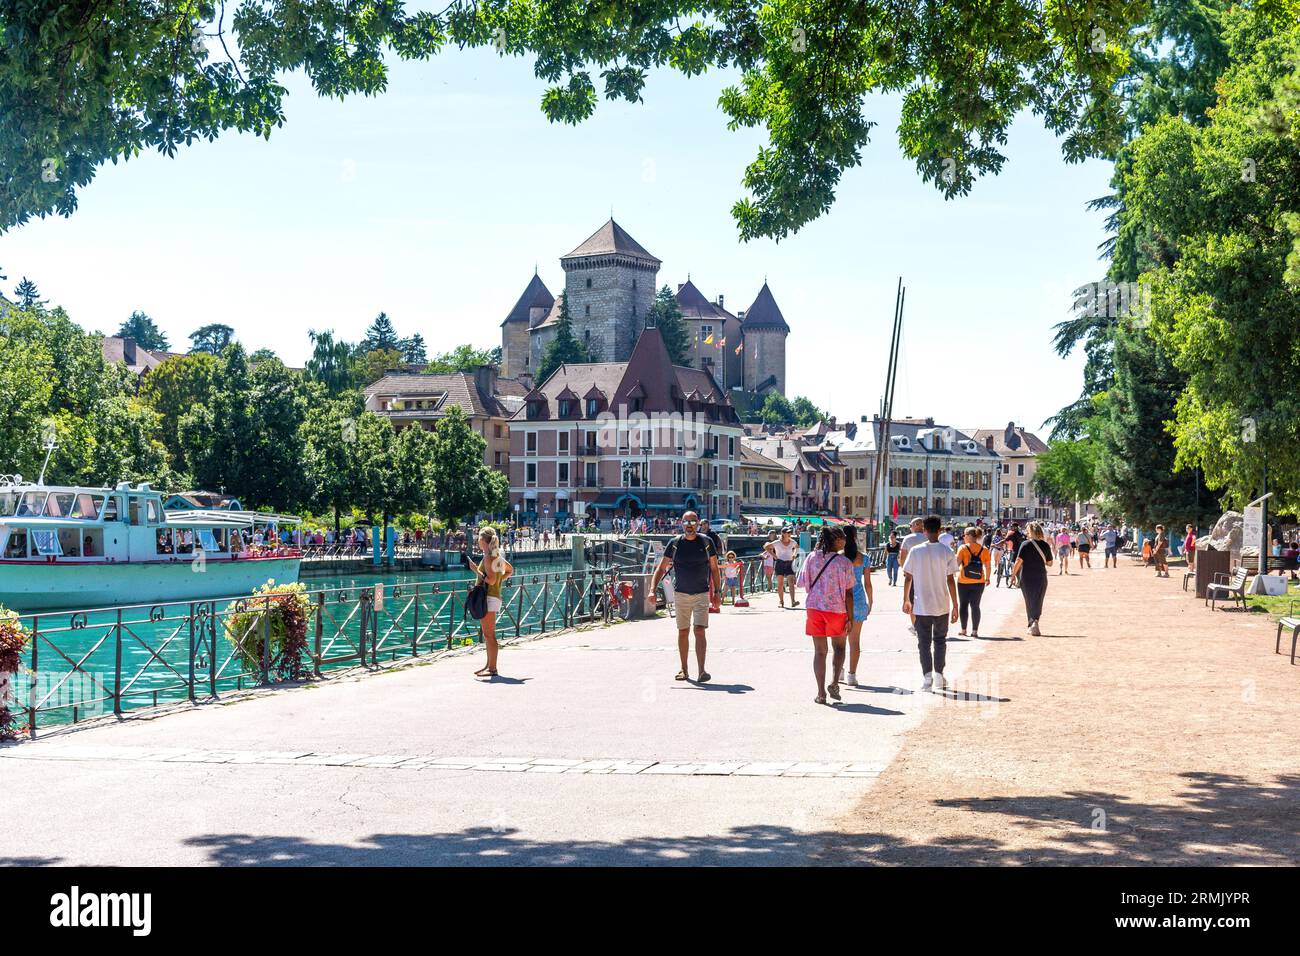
(1221, 820)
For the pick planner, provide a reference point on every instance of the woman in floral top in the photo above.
(827, 576)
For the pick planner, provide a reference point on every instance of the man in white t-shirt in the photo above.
(946, 539)
(930, 596)
(911, 541)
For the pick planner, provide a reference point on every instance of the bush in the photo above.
(13, 641)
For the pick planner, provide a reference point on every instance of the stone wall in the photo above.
(515, 350)
(770, 361)
(609, 313)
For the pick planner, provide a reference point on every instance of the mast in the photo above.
(887, 403)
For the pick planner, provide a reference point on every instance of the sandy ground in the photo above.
(1142, 728)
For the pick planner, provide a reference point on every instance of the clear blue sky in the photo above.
(433, 202)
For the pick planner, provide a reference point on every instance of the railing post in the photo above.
(320, 627)
(546, 602)
(364, 614)
(212, 649)
(31, 684)
(266, 639)
(374, 633)
(415, 627)
(117, 667)
(519, 608)
(192, 653)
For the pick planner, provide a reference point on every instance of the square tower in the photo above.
(609, 285)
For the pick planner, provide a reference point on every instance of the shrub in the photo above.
(283, 610)
(13, 641)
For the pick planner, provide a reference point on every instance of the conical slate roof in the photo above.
(765, 313)
(609, 239)
(693, 303)
(536, 296)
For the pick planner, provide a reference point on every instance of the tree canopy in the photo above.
(666, 315)
(148, 76)
(564, 349)
(145, 332)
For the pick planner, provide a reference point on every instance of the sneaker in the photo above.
(911, 629)
(1035, 631)
(927, 683)
(939, 682)
(851, 680)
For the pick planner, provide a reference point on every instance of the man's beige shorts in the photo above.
(692, 606)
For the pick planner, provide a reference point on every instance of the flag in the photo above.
(722, 341)
(740, 348)
(709, 340)
(895, 500)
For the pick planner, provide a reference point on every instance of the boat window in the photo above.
(16, 547)
(110, 510)
(60, 504)
(46, 543)
(33, 504)
(155, 513)
(92, 544)
(208, 540)
(88, 506)
(184, 541)
(165, 541)
(134, 506)
(8, 502)
(70, 542)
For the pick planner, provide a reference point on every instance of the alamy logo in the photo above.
(76, 909)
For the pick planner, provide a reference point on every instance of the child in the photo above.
(731, 575)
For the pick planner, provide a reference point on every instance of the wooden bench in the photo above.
(1225, 588)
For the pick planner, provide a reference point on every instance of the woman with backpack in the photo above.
(828, 579)
(974, 562)
(493, 572)
(862, 599)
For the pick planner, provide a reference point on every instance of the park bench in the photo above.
(1225, 588)
(1293, 623)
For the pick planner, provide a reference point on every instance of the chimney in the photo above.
(720, 301)
(128, 350)
(741, 315)
(485, 379)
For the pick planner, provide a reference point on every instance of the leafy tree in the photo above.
(372, 366)
(331, 363)
(329, 434)
(776, 410)
(413, 350)
(461, 482)
(215, 436)
(381, 336)
(806, 413)
(263, 355)
(274, 449)
(564, 349)
(805, 71)
(28, 296)
(172, 390)
(26, 390)
(145, 332)
(212, 339)
(1067, 472)
(666, 315)
(462, 358)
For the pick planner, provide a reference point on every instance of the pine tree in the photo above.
(380, 335)
(145, 332)
(27, 295)
(666, 315)
(564, 349)
(413, 350)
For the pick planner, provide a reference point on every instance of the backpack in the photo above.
(976, 562)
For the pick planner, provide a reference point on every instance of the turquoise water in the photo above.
(82, 665)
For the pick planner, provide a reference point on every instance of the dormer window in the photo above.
(565, 407)
(636, 404)
(593, 407)
(534, 409)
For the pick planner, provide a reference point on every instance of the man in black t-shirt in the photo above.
(694, 562)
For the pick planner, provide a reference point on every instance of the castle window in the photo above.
(589, 283)
(634, 283)
(586, 310)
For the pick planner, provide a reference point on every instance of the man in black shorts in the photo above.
(694, 562)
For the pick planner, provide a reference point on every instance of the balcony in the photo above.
(589, 451)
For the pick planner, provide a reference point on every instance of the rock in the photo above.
(1226, 535)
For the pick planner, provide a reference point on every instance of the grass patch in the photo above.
(1279, 606)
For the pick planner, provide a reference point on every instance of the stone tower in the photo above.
(609, 284)
(529, 312)
(765, 332)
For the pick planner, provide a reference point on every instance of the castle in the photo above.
(610, 285)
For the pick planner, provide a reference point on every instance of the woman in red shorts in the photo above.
(827, 577)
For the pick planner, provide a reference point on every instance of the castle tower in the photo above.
(765, 332)
(609, 283)
(528, 312)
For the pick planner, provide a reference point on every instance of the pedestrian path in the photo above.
(743, 769)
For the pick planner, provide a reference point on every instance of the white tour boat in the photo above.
(71, 547)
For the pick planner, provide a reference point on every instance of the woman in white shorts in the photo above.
(495, 571)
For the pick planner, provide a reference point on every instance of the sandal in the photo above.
(483, 672)
(819, 700)
(833, 690)
(705, 677)
(682, 675)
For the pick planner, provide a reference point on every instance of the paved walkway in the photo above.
(585, 750)
(1141, 728)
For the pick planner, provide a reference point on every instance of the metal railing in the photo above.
(91, 662)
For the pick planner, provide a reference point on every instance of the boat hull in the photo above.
(32, 587)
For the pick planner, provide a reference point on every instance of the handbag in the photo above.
(476, 600)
